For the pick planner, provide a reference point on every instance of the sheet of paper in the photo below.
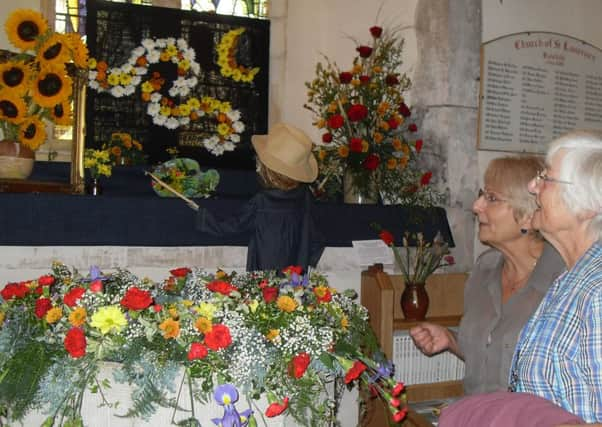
(369, 252)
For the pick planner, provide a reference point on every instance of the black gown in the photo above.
(281, 229)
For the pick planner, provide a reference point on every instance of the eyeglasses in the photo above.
(542, 175)
(489, 196)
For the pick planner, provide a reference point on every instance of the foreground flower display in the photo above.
(285, 337)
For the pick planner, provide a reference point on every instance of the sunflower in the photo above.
(54, 50)
(52, 86)
(15, 75)
(61, 113)
(12, 107)
(24, 26)
(32, 133)
(79, 50)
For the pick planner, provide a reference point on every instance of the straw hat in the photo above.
(287, 150)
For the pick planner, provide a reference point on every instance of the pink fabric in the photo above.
(504, 409)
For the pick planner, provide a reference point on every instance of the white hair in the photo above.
(582, 166)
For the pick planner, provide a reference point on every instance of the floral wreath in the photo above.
(227, 61)
(165, 111)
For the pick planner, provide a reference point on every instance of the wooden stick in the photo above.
(190, 202)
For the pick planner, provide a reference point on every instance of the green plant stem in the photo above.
(175, 409)
(190, 392)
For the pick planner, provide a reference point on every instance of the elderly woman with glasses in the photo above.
(559, 353)
(507, 282)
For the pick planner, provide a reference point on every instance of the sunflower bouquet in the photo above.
(35, 84)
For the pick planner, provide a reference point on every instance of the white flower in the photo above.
(234, 115)
(153, 57)
(117, 91)
(238, 127)
(172, 123)
(148, 44)
(159, 120)
(155, 97)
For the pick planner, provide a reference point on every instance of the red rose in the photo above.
(299, 365)
(14, 290)
(327, 137)
(418, 145)
(426, 178)
(391, 80)
(221, 287)
(218, 337)
(387, 237)
(371, 162)
(96, 286)
(357, 112)
(270, 293)
(355, 145)
(276, 408)
(376, 31)
(136, 299)
(364, 80)
(42, 307)
(355, 371)
(345, 77)
(75, 342)
(412, 127)
(73, 296)
(335, 121)
(364, 51)
(46, 280)
(393, 123)
(293, 269)
(400, 415)
(180, 272)
(197, 351)
(404, 110)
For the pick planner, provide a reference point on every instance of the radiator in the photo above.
(413, 367)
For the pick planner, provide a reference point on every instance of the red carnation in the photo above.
(42, 307)
(399, 387)
(364, 51)
(412, 127)
(218, 337)
(197, 351)
(325, 297)
(371, 162)
(14, 290)
(327, 137)
(299, 365)
(355, 371)
(73, 296)
(75, 342)
(364, 79)
(276, 408)
(418, 145)
(376, 31)
(400, 415)
(345, 77)
(393, 123)
(391, 80)
(426, 178)
(270, 293)
(293, 269)
(136, 299)
(387, 237)
(335, 121)
(404, 110)
(357, 112)
(221, 287)
(180, 272)
(46, 280)
(355, 145)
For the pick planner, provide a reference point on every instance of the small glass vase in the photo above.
(414, 301)
(94, 187)
(352, 194)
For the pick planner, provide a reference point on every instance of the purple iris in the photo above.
(384, 370)
(226, 395)
(297, 280)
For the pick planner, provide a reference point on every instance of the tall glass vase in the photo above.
(361, 195)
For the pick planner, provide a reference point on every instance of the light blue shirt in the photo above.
(559, 352)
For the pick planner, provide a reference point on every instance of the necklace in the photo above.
(512, 285)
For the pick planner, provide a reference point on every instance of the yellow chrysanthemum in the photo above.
(109, 319)
(272, 334)
(286, 303)
(357, 69)
(224, 129)
(203, 325)
(54, 315)
(378, 137)
(78, 316)
(55, 50)
(15, 75)
(392, 163)
(170, 328)
(193, 103)
(32, 133)
(173, 312)
(23, 26)
(12, 107)
(113, 79)
(403, 162)
(396, 143)
(343, 151)
(52, 86)
(62, 114)
(206, 309)
(405, 149)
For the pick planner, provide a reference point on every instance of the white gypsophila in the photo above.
(153, 109)
(238, 126)
(171, 123)
(195, 287)
(233, 115)
(301, 336)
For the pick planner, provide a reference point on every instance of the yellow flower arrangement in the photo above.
(98, 162)
(226, 58)
(35, 86)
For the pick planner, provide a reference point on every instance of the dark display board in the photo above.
(536, 86)
(114, 30)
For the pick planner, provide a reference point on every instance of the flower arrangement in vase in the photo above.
(98, 163)
(285, 337)
(417, 261)
(368, 137)
(125, 150)
(36, 84)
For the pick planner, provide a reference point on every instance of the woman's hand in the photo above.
(432, 339)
